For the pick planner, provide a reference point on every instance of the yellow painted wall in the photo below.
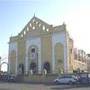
(12, 62)
(46, 48)
(21, 51)
(71, 55)
(59, 57)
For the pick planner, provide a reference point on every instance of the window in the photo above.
(24, 32)
(27, 29)
(39, 24)
(33, 50)
(33, 27)
(47, 30)
(75, 56)
(36, 22)
(43, 27)
(21, 35)
(30, 25)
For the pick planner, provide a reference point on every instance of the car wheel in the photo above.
(56, 82)
(70, 82)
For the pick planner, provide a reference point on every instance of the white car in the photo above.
(66, 80)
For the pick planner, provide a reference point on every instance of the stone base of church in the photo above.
(40, 78)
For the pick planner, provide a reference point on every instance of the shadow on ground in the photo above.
(62, 87)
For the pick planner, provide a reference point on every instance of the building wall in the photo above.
(59, 58)
(59, 38)
(52, 44)
(13, 57)
(79, 65)
(80, 60)
(71, 55)
(88, 63)
(46, 50)
(21, 51)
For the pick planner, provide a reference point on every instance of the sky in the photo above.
(15, 14)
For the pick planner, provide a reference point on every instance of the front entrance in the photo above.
(21, 69)
(33, 68)
(33, 59)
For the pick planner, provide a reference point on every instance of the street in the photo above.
(19, 86)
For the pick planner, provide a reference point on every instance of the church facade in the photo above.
(40, 46)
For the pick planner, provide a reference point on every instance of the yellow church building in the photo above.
(40, 46)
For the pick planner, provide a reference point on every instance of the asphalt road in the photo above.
(18, 86)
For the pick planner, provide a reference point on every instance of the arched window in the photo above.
(59, 57)
(33, 58)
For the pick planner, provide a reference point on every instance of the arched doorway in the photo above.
(46, 66)
(13, 62)
(59, 58)
(21, 69)
(33, 58)
(33, 67)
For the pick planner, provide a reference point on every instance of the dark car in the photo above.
(11, 78)
(83, 78)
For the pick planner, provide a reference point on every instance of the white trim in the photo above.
(8, 64)
(39, 60)
(16, 61)
(53, 61)
(37, 42)
(26, 61)
(59, 38)
(13, 46)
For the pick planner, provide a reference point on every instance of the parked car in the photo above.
(66, 80)
(8, 77)
(11, 78)
(3, 76)
(83, 78)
